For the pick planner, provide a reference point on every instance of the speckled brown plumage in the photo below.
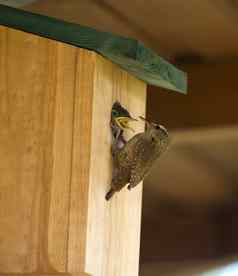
(133, 162)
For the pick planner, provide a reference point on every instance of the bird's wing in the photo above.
(141, 164)
(125, 155)
(138, 172)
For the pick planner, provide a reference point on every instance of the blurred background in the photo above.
(190, 201)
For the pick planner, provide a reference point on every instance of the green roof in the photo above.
(128, 53)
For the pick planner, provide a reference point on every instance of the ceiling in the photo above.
(205, 29)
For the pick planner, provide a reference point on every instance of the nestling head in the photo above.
(120, 117)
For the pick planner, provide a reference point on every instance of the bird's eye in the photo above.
(114, 113)
(157, 127)
(153, 139)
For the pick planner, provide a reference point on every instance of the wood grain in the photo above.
(81, 159)
(55, 162)
(36, 138)
(28, 91)
(62, 152)
(116, 224)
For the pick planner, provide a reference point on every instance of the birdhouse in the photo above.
(58, 82)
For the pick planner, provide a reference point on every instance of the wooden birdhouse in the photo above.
(58, 82)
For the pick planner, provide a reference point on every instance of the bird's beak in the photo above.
(147, 123)
(123, 122)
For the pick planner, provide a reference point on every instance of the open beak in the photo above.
(123, 122)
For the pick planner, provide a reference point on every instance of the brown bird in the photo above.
(133, 162)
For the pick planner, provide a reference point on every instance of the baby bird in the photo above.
(120, 119)
(133, 162)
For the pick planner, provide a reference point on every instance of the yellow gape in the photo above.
(123, 122)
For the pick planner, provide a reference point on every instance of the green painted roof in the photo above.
(128, 53)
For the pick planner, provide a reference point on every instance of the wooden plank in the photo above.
(62, 151)
(81, 159)
(27, 109)
(113, 231)
(127, 53)
(35, 153)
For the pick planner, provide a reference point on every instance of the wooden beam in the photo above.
(55, 160)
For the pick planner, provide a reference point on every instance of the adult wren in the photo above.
(133, 161)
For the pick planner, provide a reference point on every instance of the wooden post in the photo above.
(55, 160)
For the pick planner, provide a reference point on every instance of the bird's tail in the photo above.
(110, 194)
